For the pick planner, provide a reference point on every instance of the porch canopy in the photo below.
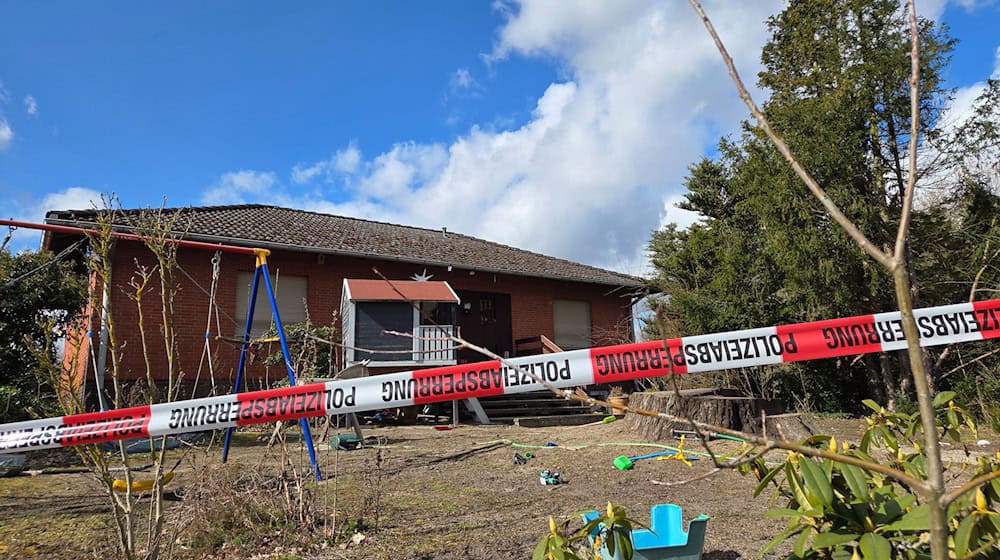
(398, 290)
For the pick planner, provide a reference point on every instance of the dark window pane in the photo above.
(375, 317)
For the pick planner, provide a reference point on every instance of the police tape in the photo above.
(881, 332)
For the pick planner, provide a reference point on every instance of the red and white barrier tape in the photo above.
(947, 324)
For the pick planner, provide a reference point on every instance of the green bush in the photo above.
(842, 511)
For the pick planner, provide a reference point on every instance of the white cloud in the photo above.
(302, 175)
(933, 9)
(462, 83)
(347, 160)
(343, 162)
(31, 105)
(32, 210)
(594, 170)
(6, 134)
(462, 79)
(240, 186)
(393, 174)
(4, 93)
(73, 198)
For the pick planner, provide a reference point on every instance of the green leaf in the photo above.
(889, 438)
(801, 543)
(781, 537)
(783, 512)
(872, 405)
(855, 479)
(943, 397)
(816, 480)
(766, 480)
(626, 545)
(917, 519)
(953, 422)
(541, 548)
(963, 535)
(875, 547)
(826, 540)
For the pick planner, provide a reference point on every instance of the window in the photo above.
(377, 316)
(572, 323)
(438, 313)
(290, 292)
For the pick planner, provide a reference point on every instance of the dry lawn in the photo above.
(421, 494)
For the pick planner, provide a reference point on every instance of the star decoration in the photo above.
(422, 277)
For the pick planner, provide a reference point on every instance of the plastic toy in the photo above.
(665, 539)
(550, 478)
(624, 463)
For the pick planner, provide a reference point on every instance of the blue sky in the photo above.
(565, 131)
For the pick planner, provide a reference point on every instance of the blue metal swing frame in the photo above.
(261, 271)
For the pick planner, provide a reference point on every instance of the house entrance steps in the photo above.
(538, 408)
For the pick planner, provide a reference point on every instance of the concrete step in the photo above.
(544, 421)
(542, 395)
(553, 402)
(537, 405)
(535, 411)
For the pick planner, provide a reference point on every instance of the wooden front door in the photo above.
(484, 318)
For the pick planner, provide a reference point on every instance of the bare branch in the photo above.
(950, 497)
(969, 363)
(911, 180)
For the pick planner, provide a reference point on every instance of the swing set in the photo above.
(260, 271)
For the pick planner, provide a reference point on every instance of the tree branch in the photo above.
(950, 497)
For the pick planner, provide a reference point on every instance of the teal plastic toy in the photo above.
(345, 441)
(666, 538)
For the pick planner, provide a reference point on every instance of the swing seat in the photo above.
(140, 485)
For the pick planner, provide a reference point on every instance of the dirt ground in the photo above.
(433, 494)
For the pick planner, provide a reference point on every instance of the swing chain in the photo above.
(216, 259)
(10, 234)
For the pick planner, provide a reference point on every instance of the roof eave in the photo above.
(342, 252)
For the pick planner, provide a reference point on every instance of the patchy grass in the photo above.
(443, 495)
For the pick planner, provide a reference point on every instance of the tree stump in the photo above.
(790, 427)
(720, 407)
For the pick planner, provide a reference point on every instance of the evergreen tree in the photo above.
(35, 292)
(764, 251)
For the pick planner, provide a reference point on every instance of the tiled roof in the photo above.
(273, 227)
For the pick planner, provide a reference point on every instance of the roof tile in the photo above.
(287, 228)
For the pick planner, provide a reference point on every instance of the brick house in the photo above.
(505, 299)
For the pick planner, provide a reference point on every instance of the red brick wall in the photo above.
(531, 304)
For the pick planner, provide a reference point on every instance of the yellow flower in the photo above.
(980, 500)
(611, 509)
(552, 526)
(833, 444)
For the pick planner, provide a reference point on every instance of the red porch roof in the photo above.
(398, 290)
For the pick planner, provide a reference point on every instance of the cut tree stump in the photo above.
(790, 427)
(720, 407)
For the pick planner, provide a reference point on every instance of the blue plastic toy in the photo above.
(666, 538)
